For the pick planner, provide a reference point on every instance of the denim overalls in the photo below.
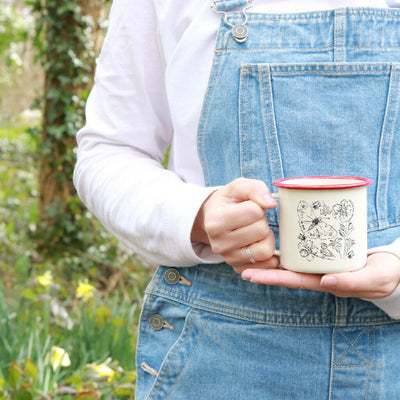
(305, 94)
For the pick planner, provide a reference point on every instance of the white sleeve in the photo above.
(118, 174)
(390, 304)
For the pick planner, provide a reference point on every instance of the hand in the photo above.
(232, 219)
(378, 279)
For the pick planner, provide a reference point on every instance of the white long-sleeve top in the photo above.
(150, 81)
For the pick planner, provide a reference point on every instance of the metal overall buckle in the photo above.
(240, 32)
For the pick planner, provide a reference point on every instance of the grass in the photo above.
(46, 304)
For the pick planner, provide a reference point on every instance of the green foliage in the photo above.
(85, 302)
(14, 29)
(18, 196)
(102, 334)
(65, 50)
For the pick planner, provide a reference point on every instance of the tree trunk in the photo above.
(69, 59)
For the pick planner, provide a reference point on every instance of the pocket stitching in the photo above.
(170, 356)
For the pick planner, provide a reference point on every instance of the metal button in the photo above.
(156, 322)
(172, 276)
(240, 33)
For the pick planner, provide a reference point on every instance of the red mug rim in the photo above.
(352, 182)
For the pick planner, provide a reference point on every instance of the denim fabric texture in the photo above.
(305, 94)
(227, 5)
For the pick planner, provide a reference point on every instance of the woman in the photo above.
(229, 323)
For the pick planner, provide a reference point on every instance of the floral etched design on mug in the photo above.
(325, 232)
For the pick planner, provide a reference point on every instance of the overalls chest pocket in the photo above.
(309, 119)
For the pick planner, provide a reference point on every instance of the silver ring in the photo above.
(248, 252)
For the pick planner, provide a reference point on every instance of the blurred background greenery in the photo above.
(70, 294)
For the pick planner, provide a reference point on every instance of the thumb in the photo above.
(243, 189)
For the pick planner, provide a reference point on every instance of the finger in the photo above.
(250, 234)
(243, 189)
(271, 263)
(370, 282)
(226, 218)
(229, 243)
(260, 251)
(281, 277)
(293, 280)
(242, 214)
(377, 279)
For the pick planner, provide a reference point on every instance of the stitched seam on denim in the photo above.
(329, 66)
(387, 219)
(306, 49)
(252, 17)
(244, 120)
(143, 333)
(338, 36)
(327, 72)
(188, 358)
(352, 347)
(326, 66)
(395, 74)
(229, 311)
(241, 122)
(204, 118)
(331, 369)
(381, 13)
(274, 322)
(374, 363)
(318, 68)
(228, 50)
(380, 190)
(246, 133)
(170, 357)
(276, 161)
(266, 111)
(369, 365)
(247, 120)
(383, 171)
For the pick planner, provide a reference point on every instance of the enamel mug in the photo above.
(322, 223)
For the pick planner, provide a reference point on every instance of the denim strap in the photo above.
(340, 35)
(227, 5)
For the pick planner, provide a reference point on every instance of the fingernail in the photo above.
(269, 201)
(246, 275)
(329, 281)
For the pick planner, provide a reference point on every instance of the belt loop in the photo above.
(339, 51)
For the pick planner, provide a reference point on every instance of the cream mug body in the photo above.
(322, 223)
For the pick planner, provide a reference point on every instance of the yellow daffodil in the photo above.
(46, 279)
(103, 370)
(85, 290)
(58, 358)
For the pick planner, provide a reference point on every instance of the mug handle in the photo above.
(276, 197)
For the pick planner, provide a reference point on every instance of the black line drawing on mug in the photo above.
(325, 232)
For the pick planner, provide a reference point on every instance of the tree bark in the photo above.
(67, 43)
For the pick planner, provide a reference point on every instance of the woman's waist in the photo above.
(217, 288)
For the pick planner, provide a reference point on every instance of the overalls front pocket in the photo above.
(323, 119)
(169, 334)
